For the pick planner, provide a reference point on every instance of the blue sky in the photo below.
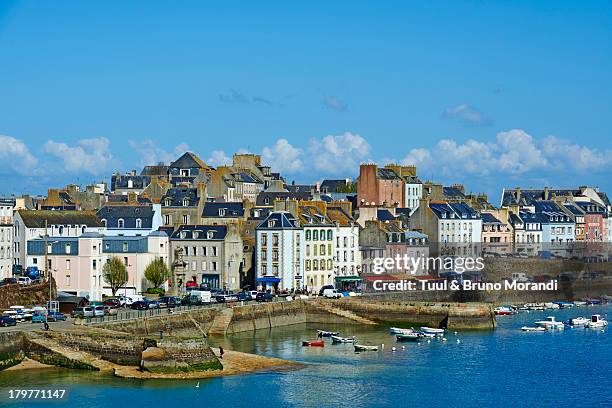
(490, 94)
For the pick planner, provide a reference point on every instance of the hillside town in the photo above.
(244, 227)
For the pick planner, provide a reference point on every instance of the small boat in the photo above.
(593, 301)
(535, 306)
(363, 347)
(579, 303)
(553, 305)
(323, 333)
(313, 343)
(503, 311)
(550, 324)
(533, 329)
(596, 322)
(431, 330)
(397, 330)
(429, 335)
(338, 339)
(409, 337)
(577, 322)
(564, 305)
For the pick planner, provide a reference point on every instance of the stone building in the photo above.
(183, 205)
(6, 237)
(380, 186)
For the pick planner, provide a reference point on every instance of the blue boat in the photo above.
(563, 304)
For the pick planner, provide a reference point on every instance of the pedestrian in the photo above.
(221, 352)
(46, 326)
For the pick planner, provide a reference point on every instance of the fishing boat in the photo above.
(503, 311)
(313, 343)
(323, 333)
(550, 324)
(431, 330)
(397, 330)
(409, 337)
(533, 329)
(363, 347)
(578, 322)
(338, 339)
(596, 322)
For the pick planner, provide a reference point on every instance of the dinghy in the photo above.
(362, 347)
(397, 330)
(431, 330)
(313, 343)
(409, 337)
(533, 329)
(338, 339)
(323, 333)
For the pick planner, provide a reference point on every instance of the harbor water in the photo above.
(504, 367)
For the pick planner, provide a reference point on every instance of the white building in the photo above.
(279, 252)
(459, 228)
(6, 237)
(347, 259)
(413, 193)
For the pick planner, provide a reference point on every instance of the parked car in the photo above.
(99, 311)
(264, 297)
(39, 318)
(125, 300)
(9, 281)
(331, 294)
(244, 296)
(139, 305)
(54, 316)
(168, 301)
(24, 280)
(7, 321)
(86, 311)
(110, 310)
(113, 302)
(253, 294)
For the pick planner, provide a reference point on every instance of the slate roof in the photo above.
(122, 244)
(590, 207)
(159, 170)
(387, 174)
(528, 196)
(178, 194)
(129, 214)
(200, 233)
(223, 210)
(123, 198)
(9, 201)
(551, 212)
(300, 188)
(384, 215)
(245, 177)
(188, 161)
(337, 214)
(281, 220)
(311, 215)
(36, 218)
(454, 210)
(267, 198)
(121, 181)
(453, 193)
(573, 208)
(489, 219)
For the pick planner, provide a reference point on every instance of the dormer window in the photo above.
(266, 201)
(168, 202)
(183, 234)
(271, 223)
(209, 234)
(120, 223)
(222, 212)
(138, 223)
(185, 202)
(104, 222)
(185, 172)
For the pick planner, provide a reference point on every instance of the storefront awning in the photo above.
(348, 278)
(268, 279)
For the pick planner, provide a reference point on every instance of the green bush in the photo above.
(155, 291)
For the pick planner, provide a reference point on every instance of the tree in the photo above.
(115, 274)
(157, 272)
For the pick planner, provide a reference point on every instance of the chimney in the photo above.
(545, 193)
(517, 193)
(132, 198)
(133, 172)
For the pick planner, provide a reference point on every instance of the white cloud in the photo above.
(283, 157)
(514, 152)
(466, 114)
(334, 103)
(338, 154)
(91, 156)
(218, 158)
(16, 155)
(152, 154)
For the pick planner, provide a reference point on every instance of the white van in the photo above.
(24, 280)
(204, 295)
(331, 293)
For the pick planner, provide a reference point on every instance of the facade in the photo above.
(347, 259)
(527, 232)
(30, 224)
(222, 213)
(211, 255)
(279, 258)
(557, 226)
(594, 221)
(6, 237)
(379, 186)
(319, 247)
(497, 236)
(183, 205)
(130, 220)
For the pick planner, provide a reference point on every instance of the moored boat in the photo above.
(553, 305)
(313, 343)
(503, 311)
(596, 322)
(323, 333)
(363, 347)
(409, 337)
(535, 306)
(397, 330)
(564, 305)
(550, 323)
(431, 330)
(338, 339)
(580, 303)
(578, 321)
(533, 329)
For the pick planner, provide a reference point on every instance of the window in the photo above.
(264, 240)
(168, 202)
(329, 235)
(125, 260)
(68, 280)
(194, 265)
(125, 246)
(138, 223)
(214, 252)
(315, 265)
(94, 265)
(68, 248)
(329, 265)
(120, 223)
(67, 264)
(322, 235)
(185, 219)
(167, 219)
(61, 229)
(104, 222)
(49, 248)
(213, 266)
(185, 172)
(315, 235)
(185, 202)
(322, 249)
(307, 250)
(275, 239)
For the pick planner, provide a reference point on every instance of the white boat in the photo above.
(580, 303)
(430, 335)
(338, 339)
(397, 330)
(550, 324)
(503, 311)
(535, 306)
(362, 347)
(431, 330)
(578, 321)
(551, 305)
(596, 322)
(533, 329)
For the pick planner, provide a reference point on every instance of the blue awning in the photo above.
(268, 279)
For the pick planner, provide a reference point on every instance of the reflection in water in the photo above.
(505, 366)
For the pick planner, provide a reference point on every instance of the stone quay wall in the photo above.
(11, 349)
